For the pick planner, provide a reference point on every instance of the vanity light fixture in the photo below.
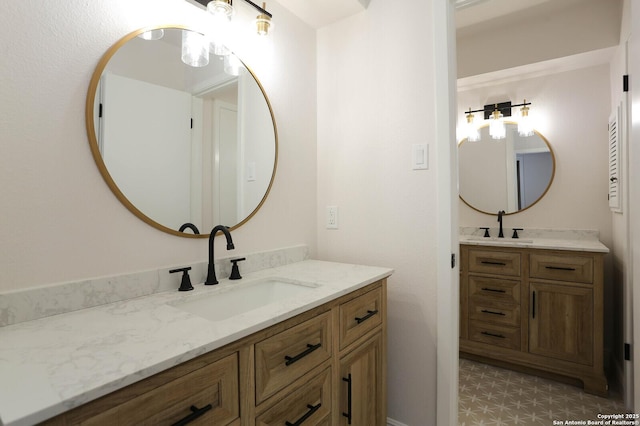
(497, 129)
(525, 126)
(496, 113)
(263, 22)
(223, 9)
(473, 134)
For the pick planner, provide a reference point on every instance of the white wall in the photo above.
(375, 99)
(60, 222)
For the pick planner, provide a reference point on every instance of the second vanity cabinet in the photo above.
(534, 308)
(326, 366)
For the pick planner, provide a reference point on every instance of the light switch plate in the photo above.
(420, 156)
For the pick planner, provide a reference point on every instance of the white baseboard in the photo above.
(391, 422)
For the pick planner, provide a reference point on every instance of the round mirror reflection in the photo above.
(510, 174)
(183, 147)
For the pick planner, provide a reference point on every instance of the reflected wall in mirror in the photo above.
(510, 174)
(177, 144)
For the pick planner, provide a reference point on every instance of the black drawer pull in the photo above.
(486, 311)
(489, 262)
(195, 413)
(560, 268)
(312, 409)
(348, 414)
(366, 317)
(310, 348)
(495, 290)
(486, 333)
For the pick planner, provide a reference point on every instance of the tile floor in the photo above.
(494, 396)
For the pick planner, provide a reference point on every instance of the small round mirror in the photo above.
(183, 147)
(510, 174)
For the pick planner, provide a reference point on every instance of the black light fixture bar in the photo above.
(503, 107)
(258, 8)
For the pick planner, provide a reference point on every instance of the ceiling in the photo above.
(480, 15)
(318, 13)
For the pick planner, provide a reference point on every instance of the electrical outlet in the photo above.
(332, 217)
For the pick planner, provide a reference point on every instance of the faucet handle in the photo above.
(185, 284)
(235, 271)
(486, 232)
(515, 232)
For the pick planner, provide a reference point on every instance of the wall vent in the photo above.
(615, 163)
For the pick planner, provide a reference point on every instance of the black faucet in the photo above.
(190, 226)
(211, 273)
(500, 214)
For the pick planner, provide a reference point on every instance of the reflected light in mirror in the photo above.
(156, 34)
(232, 65)
(525, 126)
(195, 49)
(472, 132)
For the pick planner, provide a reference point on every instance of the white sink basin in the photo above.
(244, 297)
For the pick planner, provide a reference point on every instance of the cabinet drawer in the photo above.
(498, 313)
(494, 262)
(286, 356)
(562, 267)
(504, 336)
(311, 404)
(359, 316)
(507, 291)
(214, 386)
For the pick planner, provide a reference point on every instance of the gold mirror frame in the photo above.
(97, 156)
(553, 173)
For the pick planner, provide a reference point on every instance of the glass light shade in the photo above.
(195, 49)
(497, 129)
(232, 65)
(525, 126)
(152, 34)
(221, 9)
(473, 134)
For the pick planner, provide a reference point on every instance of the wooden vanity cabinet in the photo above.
(288, 374)
(540, 310)
(362, 361)
(205, 389)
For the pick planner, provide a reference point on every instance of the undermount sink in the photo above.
(244, 297)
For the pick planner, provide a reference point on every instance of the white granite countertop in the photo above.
(53, 364)
(579, 240)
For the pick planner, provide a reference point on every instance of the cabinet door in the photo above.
(361, 385)
(561, 322)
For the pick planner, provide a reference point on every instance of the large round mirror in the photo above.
(183, 147)
(509, 174)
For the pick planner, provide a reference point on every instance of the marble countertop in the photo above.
(53, 364)
(579, 240)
